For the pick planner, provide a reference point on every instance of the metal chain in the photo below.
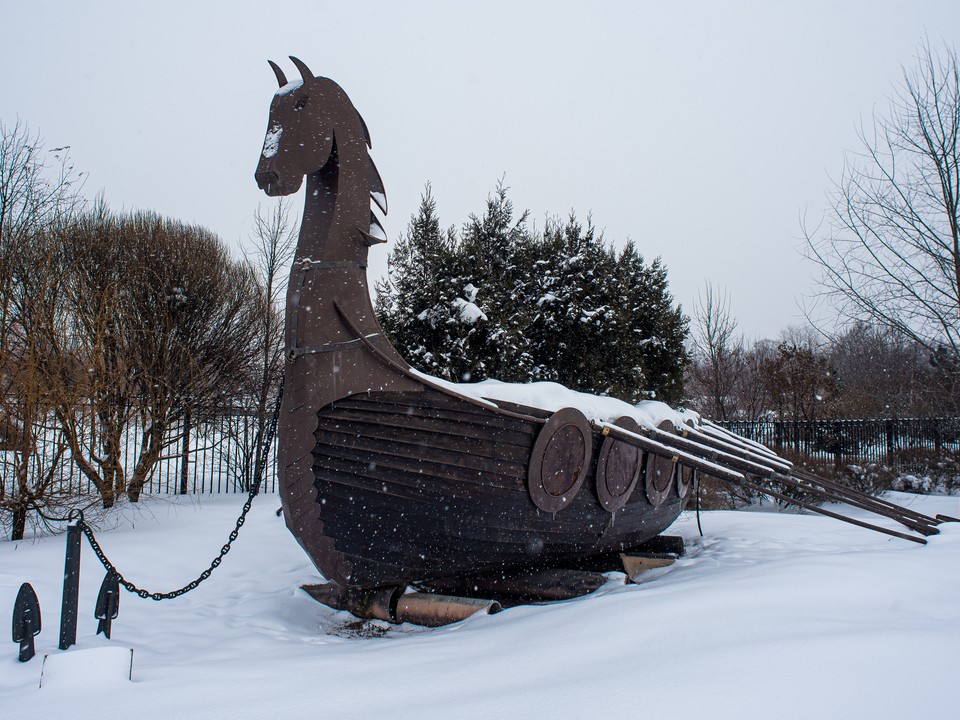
(77, 515)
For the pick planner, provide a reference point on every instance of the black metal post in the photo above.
(837, 444)
(185, 456)
(890, 446)
(71, 587)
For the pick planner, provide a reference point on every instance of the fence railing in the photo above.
(214, 456)
(885, 441)
(218, 455)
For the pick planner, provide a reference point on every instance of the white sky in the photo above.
(701, 130)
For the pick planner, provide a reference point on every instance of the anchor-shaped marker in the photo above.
(108, 603)
(26, 621)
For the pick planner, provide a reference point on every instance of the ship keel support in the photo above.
(396, 606)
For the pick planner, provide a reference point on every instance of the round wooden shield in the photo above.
(684, 480)
(618, 468)
(660, 473)
(560, 460)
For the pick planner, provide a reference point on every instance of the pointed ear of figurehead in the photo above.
(281, 78)
(304, 70)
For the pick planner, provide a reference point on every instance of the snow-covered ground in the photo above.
(771, 615)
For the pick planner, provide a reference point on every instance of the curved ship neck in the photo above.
(329, 330)
(329, 311)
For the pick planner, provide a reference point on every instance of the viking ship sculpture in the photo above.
(390, 478)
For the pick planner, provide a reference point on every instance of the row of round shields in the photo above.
(561, 458)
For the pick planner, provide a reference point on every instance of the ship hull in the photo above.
(415, 486)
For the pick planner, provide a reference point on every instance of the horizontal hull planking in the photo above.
(422, 485)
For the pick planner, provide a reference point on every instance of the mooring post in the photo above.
(71, 585)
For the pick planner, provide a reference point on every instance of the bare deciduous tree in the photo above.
(32, 449)
(718, 352)
(881, 374)
(268, 256)
(38, 191)
(890, 249)
(36, 188)
(800, 382)
(163, 321)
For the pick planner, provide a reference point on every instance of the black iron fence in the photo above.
(217, 456)
(214, 456)
(892, 442)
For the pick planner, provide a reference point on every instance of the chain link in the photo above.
(254, 491)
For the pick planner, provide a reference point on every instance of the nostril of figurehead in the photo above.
(266, 179)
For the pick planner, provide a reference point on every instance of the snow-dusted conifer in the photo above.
(573, 318)
(493, 259)
(415, 303)
(498, 301)
(655, 329)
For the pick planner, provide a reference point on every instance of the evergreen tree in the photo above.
(414, 303)
(574, 317)
(492, 270)
(655, 331)
(498, 301)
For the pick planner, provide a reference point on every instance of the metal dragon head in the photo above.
(310, 119)
(300, 132)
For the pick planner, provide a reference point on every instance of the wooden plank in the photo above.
(403, 406)
(495, 509)
(524, 409)
(488, 533)
(635, 564)
(430, 461)
(388, 488)
(480, 443)
(378, 531)
(444, 426)
(471, 481)
(357, 472)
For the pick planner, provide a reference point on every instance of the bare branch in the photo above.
(890, 251)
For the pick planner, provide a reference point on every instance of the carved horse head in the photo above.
(315, 130)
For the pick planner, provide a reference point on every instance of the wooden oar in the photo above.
(755, 466)
(836, 491)
(883, 506)
(829, 513)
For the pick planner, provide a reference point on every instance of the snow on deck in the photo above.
(553, 396)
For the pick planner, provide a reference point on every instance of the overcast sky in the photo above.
(701, 130)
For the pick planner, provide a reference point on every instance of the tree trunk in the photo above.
(21, 489)
(134, 489)
(19, 522)
(104, 483)
(149, 456)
